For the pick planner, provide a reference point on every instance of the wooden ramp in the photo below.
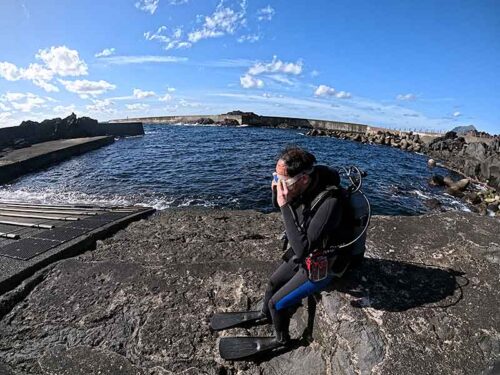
(34, 235)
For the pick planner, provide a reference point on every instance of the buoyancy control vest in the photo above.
(348, 244)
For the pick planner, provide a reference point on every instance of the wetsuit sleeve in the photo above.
(326, 219)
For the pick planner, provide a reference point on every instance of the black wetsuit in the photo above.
(289, 284)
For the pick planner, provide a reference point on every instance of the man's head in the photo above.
(294, 166)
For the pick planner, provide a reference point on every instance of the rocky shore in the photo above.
(478, 160)
(405, 142)
(425, 301)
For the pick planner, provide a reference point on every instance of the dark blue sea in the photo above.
(223, 167)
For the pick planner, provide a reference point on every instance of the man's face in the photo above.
(294, 189)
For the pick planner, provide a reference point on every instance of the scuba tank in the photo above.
(356, 217)
(361, 213)
(360, 210)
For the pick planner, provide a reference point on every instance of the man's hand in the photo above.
(282, 193)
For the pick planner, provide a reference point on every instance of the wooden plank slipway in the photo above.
(33, 236)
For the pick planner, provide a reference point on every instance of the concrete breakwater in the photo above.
(31, 132)
(248, 118)
(41, 155)
(32, 145)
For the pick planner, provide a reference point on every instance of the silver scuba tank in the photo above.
(361, 214)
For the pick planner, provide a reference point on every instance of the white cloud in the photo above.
(105, 52)
(63, 111)
(63, 61)
(223, 21)
(406, 97)
(3, 107)
(4, 116)
(9, 71)
(12, 96)
(281, 78)
(101, 106)
(314, 73)
(251, 38)
(36, 73)
(147, 5)
(457, 114)
(276, 66)
(171, 41)
(140, 94)
(86, 88)
(30, 102)
(165, 98)
(185, 103)
(266, 14)
(137, 106)
(49, 87)
(343, 95)
(60, 61)
(170, 89)
(177, 2)
(124, 60)
(324, 90)
(247, 81)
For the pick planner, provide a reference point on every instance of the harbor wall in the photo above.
(254, 120)
(30, 132)
(31, 159)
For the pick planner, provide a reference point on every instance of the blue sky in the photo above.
(428, 65)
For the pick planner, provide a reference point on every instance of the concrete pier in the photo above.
(254, 120)
(34, 236)
(41, 155)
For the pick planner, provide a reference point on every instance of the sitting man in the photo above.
(296, 184)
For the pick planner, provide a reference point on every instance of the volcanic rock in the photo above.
(424, 301)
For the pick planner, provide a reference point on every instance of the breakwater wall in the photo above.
(180, 119)
(30, 132)
(17, 163)
(253, 120)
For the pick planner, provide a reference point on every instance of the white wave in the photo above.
(420, 194)
(80, 198)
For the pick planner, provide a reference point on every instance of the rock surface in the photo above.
(478, 160)
(425, 301)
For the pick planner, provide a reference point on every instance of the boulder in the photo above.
(437, 180)
(455, 192)
(228, 122)
(473, 198)
(433, 203)
(205, 121)
(493, 207)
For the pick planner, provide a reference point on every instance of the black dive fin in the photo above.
(232, 319)
(234, 348)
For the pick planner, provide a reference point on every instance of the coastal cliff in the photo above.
(425, 301)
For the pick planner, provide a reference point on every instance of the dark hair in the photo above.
(296, 159)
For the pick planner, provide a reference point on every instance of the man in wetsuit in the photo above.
(299, 181)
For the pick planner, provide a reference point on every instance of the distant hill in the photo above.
(463, 129)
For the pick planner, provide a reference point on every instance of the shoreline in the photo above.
(142, 300)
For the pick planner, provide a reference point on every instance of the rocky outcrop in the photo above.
(228, 122)
(425, 301)
(478, 160)
(406, 142)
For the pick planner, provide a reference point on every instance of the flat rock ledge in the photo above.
(425, 301)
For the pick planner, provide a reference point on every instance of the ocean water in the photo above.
(224, 167)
